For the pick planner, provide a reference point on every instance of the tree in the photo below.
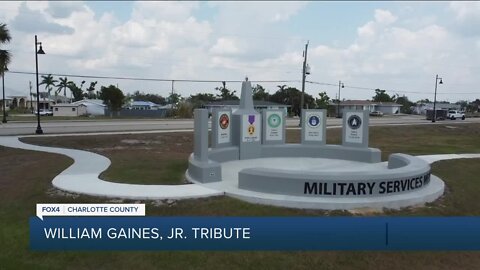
(76, 91)
(63, 85)
(382, 96)
(48, 81)
(259, 93)
(463, 104)
(406, 104)
(424, 101)
(5, 56)
(291, 96)
(174, 98)
(112, 97)
(140, 96)
(475, 105)
(323, 101)
(200, 99)
(91, 89)
(226, 94)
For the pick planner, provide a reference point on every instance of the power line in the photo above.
(148, 79)
(229, 81)
(395, 91)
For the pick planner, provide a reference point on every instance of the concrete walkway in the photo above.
(82, 176)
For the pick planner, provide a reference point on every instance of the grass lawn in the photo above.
(162, 158)
(26, 180)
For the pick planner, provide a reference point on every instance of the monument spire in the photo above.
(246, 97)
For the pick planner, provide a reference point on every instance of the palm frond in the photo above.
(4, 33)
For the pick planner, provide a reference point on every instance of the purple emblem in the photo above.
(251, 119)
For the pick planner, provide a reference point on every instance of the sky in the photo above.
(396, 46)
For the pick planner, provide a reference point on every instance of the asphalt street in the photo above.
(86, 126)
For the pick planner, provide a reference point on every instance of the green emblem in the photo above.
(274, 121)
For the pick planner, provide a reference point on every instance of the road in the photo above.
(85, 126)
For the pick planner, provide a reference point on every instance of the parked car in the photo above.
(376, 113)
(44, 112)
(456, 114)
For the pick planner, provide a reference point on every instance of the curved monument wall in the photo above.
(404, 174)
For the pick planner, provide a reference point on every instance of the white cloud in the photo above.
(9, 10)
(465, 9)
(367, 30)
(384, 16)
(226, 46)
(177, 11)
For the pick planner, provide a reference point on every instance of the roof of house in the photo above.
(357, 102)
(68, 105)
(365, 102)
(143, 103)
(87, 102)
(393, 104)
(256, 103)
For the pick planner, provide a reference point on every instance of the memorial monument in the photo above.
(250, 160)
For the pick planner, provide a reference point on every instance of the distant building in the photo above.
(371, 106)
(18, 102)
(93, 106)
(8, 102)
(144, 105)
(63, 109)
(422, 108)
(258, 105)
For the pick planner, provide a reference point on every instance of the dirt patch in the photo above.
(55, 192)
(366, 211)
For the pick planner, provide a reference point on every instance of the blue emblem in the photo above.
(354, 122)
(314, 121)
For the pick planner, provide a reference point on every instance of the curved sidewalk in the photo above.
(82, 176)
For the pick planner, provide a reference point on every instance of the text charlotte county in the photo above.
(90, 209)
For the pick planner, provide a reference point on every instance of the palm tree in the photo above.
(63, 85)
(49, 82)
(5, 55)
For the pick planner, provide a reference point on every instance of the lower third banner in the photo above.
(255, 233)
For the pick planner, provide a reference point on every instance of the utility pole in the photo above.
(31, 95)
(302, 98)
(171, 96)
(340, 86)
(434, 117)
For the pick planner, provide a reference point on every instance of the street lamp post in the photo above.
(434, 117)
(37, 52)
(340, 86)
(4, 120)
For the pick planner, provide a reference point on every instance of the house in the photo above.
(258, 105)
(18, 102)
(371, 106)
(8, 102)
(93, 106)
(422, 108)
(69, 109)
(144, 105)
(43, 103)
(388, 107)
(143, 109)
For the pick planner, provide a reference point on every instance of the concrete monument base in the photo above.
(280, 194)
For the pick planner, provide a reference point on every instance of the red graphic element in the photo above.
(224, 121)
